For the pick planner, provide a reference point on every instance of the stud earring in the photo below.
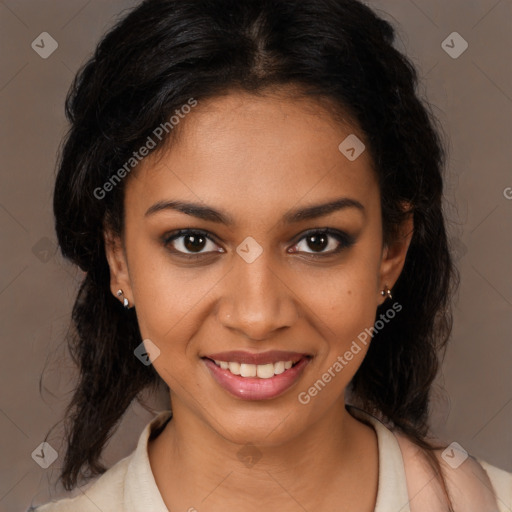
(125, 300)
(387, 292)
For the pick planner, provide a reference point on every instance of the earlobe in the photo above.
(119, 277)
(394, 255)
(126, 302)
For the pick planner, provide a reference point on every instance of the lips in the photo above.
(250, 386)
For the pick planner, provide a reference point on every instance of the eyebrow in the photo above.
(297, 215)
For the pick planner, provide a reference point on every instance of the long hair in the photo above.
(157, 57)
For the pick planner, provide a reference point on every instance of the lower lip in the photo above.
(254, 388)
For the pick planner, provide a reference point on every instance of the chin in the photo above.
(261, 426)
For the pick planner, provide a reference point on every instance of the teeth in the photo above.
(263, 371)
(279, 367)
(248, 370)
(234, 368)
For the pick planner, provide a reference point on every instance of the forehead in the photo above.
(238, 146)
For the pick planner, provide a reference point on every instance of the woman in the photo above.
(254, 191)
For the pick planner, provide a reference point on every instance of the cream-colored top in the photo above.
(129, 485)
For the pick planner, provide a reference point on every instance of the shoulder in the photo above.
(126, 481)
(104, 493)
(473, 485)
(502, 484)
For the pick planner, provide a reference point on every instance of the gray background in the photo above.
(471, 96)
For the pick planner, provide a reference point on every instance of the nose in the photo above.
(256, 299)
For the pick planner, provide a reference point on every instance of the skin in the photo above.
(256, 158)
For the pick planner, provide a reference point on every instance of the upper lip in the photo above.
(242, 357)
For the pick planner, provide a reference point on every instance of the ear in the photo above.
(394, 253)
(116, 257)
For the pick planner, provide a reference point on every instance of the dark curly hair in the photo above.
(157, 57)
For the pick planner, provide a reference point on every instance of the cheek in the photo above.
(345, 306)
(349, 323)
(165, 294)
(166, 308)
(348, 296)
(165, 302)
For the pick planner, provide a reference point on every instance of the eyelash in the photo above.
(344, 239)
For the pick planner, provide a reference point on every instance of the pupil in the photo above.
(190, 246)
(320, 240)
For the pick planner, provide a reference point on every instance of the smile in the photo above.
(254, 376)
(262, 371)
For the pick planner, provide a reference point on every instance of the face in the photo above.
(255, 275)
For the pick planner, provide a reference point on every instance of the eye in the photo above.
(321, 239)
(189, 242)
(194, 243)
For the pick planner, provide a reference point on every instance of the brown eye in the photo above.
(320, 240)
(194, 243)
(190, 242)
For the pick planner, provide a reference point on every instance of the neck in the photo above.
(195, 466)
